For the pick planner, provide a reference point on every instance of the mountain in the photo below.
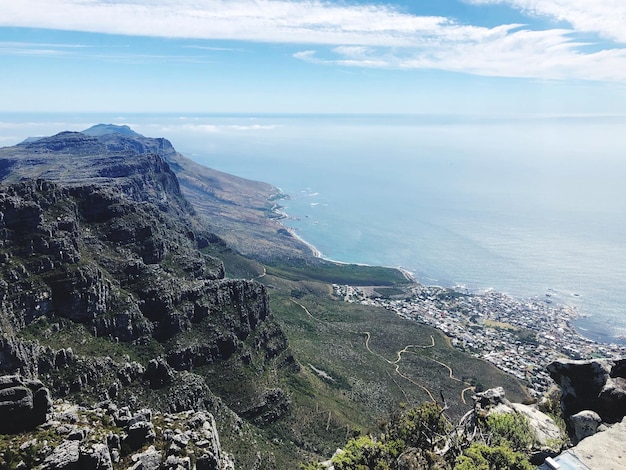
(104, 129)
(132, 278)
(108, 290)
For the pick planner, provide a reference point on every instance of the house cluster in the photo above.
(521, 337)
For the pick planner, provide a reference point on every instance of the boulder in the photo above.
(23, 403)
(151, 459)
(65, 456)
(488, 399)
(95, 457)
(598, 385)
(547, 433)
(604, 450)
(140, 434)
(585, 424)
(159, 373)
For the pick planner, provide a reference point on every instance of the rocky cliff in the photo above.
(108, 290)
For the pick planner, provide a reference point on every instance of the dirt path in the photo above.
(472, 388)
(406, 350)
(396, 362)
(307, 311)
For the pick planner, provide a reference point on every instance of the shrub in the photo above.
(510, 429)
(483, 457)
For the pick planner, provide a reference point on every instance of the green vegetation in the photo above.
(58, 333)
(422, 437)
(335, 273)
(359, 363)
(508, 429)
(483, 457)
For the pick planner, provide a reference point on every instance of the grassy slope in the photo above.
(343, 387)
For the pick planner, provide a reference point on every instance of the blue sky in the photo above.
(308, 56)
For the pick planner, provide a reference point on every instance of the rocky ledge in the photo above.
(107, 436)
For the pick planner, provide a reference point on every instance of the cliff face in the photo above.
(246, 219)
(106, 287)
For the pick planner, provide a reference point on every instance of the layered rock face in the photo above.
(101, 259)
(118, 267)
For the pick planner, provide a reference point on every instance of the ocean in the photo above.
(533, 206)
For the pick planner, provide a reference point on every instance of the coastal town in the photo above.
(518, 336)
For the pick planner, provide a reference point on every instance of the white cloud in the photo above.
(523, 53)
(305, 21)
(605, 17)
(363, 35)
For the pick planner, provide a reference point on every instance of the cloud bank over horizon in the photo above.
(592, 45)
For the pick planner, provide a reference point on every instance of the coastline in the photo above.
(281, 215)
(583, 324)
(316, 253)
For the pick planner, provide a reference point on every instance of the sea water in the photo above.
(534, 206)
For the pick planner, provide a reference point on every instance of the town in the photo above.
(518, 336)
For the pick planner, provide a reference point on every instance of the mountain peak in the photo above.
(104, 129)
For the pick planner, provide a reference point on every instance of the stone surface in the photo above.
(65, 456)
(150, 459)
(23, 403)
(546, 431)
(95, 457)
(585, 423)
(270, 406)
(605, 450)
(548, 436)
(139, 434)
(159, 373)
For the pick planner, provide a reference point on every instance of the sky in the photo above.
(502, 57)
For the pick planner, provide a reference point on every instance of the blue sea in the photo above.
(533, 206)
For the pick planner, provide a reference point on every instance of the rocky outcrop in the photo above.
(584, 424)
(23, 403)
(597, 385)
(107, 437)
(548, 437)
(270, 406)
(604, 450)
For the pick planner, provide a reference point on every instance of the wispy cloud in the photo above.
(362, 35)
(604, 17)
(38, 49)
(81, 51)
(522, 53)
(304, 21)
